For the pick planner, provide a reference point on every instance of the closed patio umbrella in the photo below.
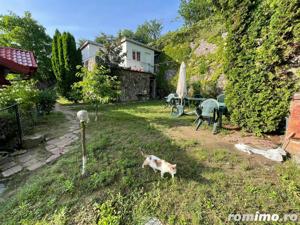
(181, 85)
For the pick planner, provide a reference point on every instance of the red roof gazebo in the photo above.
(16, 61)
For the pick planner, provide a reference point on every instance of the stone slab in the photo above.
(56, 151)
(25, 157)
(33, 141)
(12, 171)
(53, 141)
(49, 147)
(8, 165)
(30, 162)
(75, 138)
(35, 166)
(65, 150)
(64, 143)
(52, 158)
(68, 135)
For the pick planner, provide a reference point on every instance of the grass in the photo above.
(210, 184)
(52, 124)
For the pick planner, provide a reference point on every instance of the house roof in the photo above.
(18, 61)
(122, 41)
(139, 43)
(86, 43)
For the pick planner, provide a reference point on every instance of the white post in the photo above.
(82, 115)
(83, 146)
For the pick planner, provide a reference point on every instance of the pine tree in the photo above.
(65, 58)
(55, 56)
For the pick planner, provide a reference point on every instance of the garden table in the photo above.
(178, 109)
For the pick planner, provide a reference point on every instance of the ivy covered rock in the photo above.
(262, 44)
(201, 47)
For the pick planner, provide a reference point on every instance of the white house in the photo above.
(138, 57)
(89, 51)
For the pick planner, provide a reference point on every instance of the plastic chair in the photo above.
(207, 112)
(177, 110)
(170, 99)
(221, 98)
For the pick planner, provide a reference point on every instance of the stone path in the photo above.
(37, 157)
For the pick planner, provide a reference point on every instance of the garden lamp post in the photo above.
(83, 117)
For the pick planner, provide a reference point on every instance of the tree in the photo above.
(110, 55)
(149, 31)
(65, 58)
(193, 11)
(81, 42)
(25, 33)
(126, 33)
(98, 86)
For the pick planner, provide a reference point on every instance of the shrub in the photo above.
(23, 92)
(259, 53)
(8, 127)
(45, 101)
(98, 86)
(75, 95)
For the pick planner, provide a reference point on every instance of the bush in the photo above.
(259, 53)
(75, 95)
(23, 92)
(45, 101)
(8, 127)
(98, 86)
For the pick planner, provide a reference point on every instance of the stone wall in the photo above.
(135, 85)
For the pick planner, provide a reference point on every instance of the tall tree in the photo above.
(126, 33)
(55, 55)
(80, 42)
(149, 31)
(26, 33)
(65, 58)
(193, 11)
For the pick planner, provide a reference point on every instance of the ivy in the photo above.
(261, 43)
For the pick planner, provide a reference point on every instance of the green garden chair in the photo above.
(171, 99)
(177, 110)
(222, 107)
(207, 112)
(221, 98)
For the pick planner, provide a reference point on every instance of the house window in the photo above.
(138, 56)
(133, 55)
(86, 63)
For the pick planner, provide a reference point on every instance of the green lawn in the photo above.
(209, 185)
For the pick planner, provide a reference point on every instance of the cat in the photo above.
(158, 164)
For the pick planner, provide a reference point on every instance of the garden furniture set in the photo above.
(210, 110)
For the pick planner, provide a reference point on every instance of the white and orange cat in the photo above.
(158, 164)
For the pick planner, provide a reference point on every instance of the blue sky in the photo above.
(86, 19)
